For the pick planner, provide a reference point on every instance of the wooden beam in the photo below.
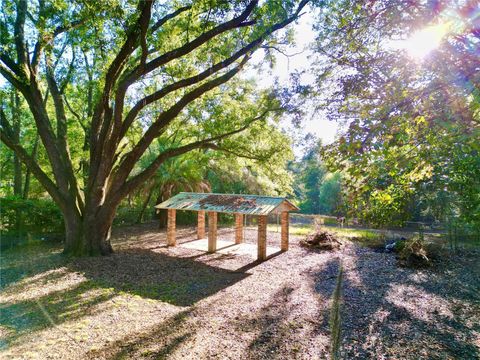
(238, 228)
(262, 238)
(201, 225)
(212, 231)
(171, 226)
(284, 222)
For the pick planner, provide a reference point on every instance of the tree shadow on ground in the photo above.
(29, 260)
(155, 275)
(279, 333)
(148, 235)
(271, 325)
(375, 323)
(156, 342)
(257, 262)
(51, 310)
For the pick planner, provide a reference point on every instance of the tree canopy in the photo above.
(413, 125)
(103, 80)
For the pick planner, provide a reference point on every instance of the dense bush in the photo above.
(129, 215)
(461, 234)
(24, 216)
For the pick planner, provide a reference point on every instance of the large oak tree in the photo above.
(120, 67)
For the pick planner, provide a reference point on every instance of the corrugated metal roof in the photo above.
(228, 203)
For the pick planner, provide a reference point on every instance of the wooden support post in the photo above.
(262, 238)
(201, 225)
(238, 228)
(284, 221)
(212, 231)
(171, 240)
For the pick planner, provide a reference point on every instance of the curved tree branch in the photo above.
(236, 22)
(208, 143)
(101, 122)
(11, 78)
(164, 19)
(203, 75)
(165, 118)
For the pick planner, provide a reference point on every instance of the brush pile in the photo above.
(415, 253)
(323, 240)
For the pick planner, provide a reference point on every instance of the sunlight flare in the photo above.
(422, 42)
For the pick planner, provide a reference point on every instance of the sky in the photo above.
(298, 59)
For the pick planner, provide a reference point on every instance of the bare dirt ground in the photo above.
(150, 301)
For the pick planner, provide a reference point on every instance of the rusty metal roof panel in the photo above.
(227, 203)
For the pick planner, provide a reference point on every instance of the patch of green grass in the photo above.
(293, 229)
(301, 230)
(363, 237)
(368, 238)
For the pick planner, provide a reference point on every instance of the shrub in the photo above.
(461, 234)
(128, 216)
(29, 216)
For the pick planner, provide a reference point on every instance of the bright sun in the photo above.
(422, 42)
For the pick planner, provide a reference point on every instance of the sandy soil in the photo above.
(151, 301)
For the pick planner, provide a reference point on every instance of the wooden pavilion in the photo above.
(239, 205)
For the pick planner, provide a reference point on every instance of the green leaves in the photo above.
(319, 191)
(412, 125)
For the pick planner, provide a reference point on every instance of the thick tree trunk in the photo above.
(88, 235)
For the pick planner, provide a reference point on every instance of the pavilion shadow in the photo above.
(158, 341)
(178, 281)
(255, 263)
